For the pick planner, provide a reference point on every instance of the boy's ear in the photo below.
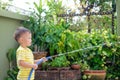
(20, 40)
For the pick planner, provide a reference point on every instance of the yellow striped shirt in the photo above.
(26, 55)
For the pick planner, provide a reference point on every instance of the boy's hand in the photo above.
(44, 59)
(35, 66)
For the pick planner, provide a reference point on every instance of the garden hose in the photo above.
(50, 57)
(39, 62)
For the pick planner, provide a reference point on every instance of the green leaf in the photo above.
(11, 54)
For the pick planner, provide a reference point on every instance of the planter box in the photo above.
(96, 74)
(58, 75)
(53, 75)
(70, 75)
(47, 75)
(41, 75)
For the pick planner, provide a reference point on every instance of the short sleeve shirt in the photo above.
(26, 55)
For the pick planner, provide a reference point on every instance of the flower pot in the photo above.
(38, 55)
(75, 66)
(96, 74)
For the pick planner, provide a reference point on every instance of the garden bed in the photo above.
(58, 75)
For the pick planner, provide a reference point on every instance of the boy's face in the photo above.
(25, 39)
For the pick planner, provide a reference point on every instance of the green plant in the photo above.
(38, 27)
(60, 61)
(12, 74)
(45, 65)
(13, 70)
(53, 37)
(49, 30)
(113, 59)
(11, 56)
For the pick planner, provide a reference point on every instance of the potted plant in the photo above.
(51, 70)
(38, 27)
(60, 62)
(75, 65)
(96, 56)
(96, 62)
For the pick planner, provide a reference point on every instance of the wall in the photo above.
(8, 23)
(118, 16)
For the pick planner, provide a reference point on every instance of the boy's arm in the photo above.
(27, 65)
(35, 61)
(44, 59)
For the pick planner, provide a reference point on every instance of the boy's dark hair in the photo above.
(19, 31)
